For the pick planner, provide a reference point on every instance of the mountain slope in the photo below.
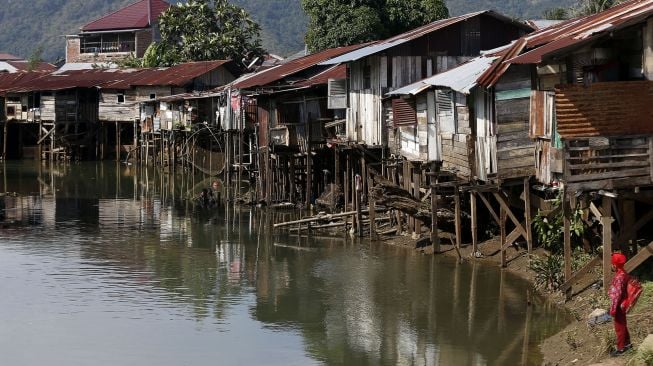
(28, 24)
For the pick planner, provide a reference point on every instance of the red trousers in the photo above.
(621, 329)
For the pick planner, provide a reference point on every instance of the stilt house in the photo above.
(584, 86)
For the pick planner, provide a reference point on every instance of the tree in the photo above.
(35, 59)
(556, 14)
(587, 7)
(334, 23)
(202, 30)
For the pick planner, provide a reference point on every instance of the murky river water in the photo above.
(105, 264)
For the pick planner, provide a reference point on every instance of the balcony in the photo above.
(108, 47)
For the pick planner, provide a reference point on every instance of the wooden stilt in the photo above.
(457, 220)
(435, 232)
(606, 223)
(417, 183)
(357, 200)
(528, 214)
(347, 182)
(502, 227)
(566, 211)
(474, 213)
(372, 207)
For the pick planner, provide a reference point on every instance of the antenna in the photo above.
(149, 12)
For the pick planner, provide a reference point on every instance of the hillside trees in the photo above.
(334, 23)
(203, 30)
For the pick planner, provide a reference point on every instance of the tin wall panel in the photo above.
(605, 109)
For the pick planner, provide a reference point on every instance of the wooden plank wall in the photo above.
(111, 111)
(458, 148)
(515, 149)
(605, 109)
(608, 162)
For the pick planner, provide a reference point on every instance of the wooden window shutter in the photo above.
(337, 93)
(542, 114)
(403, 112)
(445, 111)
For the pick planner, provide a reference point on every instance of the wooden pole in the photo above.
(435, 233)
(5, 130)
(309, 161)
(606, 223)
(347, 182)
(503, 215)
(474, 213)
(372, 204)
(417, 183)
(357, 201)
(117, 141)
(528, 214)
(567, 239)
(457, 220)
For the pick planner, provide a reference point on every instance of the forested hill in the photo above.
(28, 24)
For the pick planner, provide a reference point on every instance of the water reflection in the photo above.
(120, 248)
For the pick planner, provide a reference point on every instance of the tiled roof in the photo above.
(133, 16)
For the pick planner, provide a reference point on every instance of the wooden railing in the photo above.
(608, 162)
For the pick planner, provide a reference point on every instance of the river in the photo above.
(109, 264)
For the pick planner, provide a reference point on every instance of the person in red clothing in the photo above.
(618, 294)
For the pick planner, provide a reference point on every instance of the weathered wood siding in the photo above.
(608, 162)
(515, 148)
(215, 78)
(47, 107)
(111, 111)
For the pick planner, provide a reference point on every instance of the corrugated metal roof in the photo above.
(461, 79)
(335, 72)
(571, 33)
(8, 80)
(414, 34)
(179, 75)
(291, 67)
(22, 65)
(130, 17)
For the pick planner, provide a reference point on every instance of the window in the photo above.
(121, 98)
(445, 111)
(153, 96)
(11, 110)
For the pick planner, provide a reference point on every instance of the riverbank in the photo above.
(577, 343)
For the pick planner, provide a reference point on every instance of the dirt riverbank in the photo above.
(578, 343)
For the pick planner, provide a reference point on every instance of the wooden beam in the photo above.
(511, 238)
(576, 276)
(474, 213)
(489, 208)
(502, 227)
(639, 258)
(606, 223)
(567, 239)
(504, 204)
(528, 214)
(458, 224)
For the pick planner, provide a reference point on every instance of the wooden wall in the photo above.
(111, 111)
(515, 148)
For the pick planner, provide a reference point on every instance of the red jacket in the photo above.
(618, 291)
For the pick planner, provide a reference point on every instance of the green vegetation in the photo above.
(334, 23)
(549, 231)
(283, 22)
(202, 30)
